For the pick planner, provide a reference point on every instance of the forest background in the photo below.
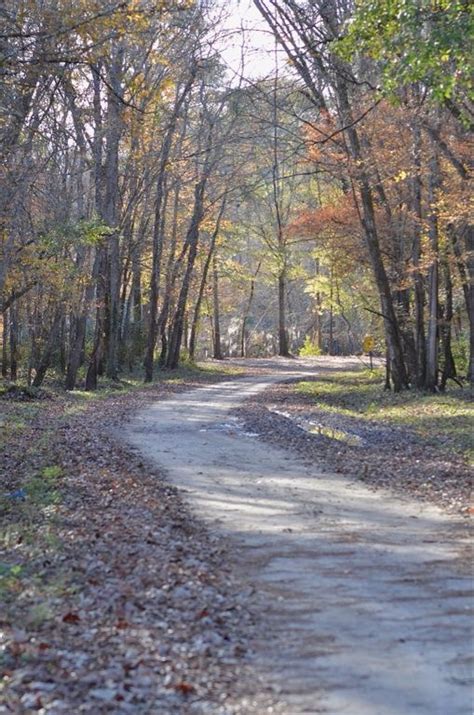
(157, 205)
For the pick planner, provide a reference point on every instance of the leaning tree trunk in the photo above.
(191, 242)
(363, 192)
(202, 287)
(158, 228)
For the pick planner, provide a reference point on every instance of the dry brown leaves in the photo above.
(124, 603)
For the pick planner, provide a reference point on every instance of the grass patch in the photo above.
(443, 420)
(29, 514)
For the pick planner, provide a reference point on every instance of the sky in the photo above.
(245, 27)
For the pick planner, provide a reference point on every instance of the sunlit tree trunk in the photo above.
(217, 345)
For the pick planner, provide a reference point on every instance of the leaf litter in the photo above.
(114, 598)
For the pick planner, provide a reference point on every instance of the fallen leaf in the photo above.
(71, 618)
(185, 688)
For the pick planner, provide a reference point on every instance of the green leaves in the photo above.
(85, 232)
(415, 41)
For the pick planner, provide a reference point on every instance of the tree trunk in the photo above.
(97, 350)
(283, 347)
(420, 339)
(78, 329)
(217, 346)
(13, 342)
(5, 319)
(466, 272)
(51, 344)
(192, 239)
(202, 287)
(172, 270)
(367, 215)
(449, 367)
(158, 234)
(158, 228)
(431, 378)
(98, 272)
(243, 333)
(114, 131)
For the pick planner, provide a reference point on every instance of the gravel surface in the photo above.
(364, 598)
(380, 455)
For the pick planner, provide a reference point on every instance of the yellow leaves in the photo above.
(401, 176)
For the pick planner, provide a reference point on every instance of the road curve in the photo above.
(367, 603)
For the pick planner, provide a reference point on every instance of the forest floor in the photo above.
(115, 598)
(95, 550)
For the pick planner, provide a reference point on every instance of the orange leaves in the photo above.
(333, 219)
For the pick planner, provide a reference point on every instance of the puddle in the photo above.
(337, 434)
(321, 429)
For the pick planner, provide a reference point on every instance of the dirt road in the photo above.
(365, 597)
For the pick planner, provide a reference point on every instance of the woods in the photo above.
(156, 206)
(236, 347)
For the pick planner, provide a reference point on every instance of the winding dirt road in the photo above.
(366, 596)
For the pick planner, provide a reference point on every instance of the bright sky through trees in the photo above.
(247, 38)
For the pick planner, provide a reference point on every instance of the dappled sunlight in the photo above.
(362, 590)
